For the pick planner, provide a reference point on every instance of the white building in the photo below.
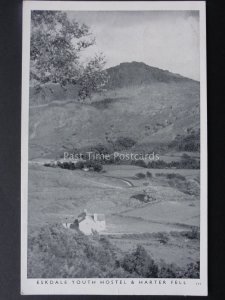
(87, 223)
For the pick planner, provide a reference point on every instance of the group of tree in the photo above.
(186, 162)
(54, 252)
(92, 165)
(57, 43)
(189, 142)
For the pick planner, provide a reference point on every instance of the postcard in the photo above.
(114, 148)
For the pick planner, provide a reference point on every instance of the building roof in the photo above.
(94, 217)
(99, 217)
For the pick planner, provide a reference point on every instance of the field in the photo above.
(57, 195)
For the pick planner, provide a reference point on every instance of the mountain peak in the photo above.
(133, 63)
(138, 73)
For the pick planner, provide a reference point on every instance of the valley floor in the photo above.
(57, 195)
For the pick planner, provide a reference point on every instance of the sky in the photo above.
(165, 39)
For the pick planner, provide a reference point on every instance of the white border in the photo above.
(191, 286)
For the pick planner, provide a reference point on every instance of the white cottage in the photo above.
(87, 223)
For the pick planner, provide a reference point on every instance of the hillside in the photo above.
(124, 75)
(147, 109)
(150, 105)
(138, 74)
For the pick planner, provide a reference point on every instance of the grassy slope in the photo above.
(149, 114)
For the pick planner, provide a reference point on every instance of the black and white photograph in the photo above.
(114, 148)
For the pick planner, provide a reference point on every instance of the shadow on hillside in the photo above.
(107, 102)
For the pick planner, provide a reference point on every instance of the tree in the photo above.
(140, 264)
(93, 79)
(122, 143)
(55, 55)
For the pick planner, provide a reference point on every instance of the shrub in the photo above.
(119, 273)
(123, 143)
(149, 174)
(192, 234)
(169, 270)
(139, 163)
(140, 197)
(69, 165)
(140, 264)
(192, 270)
(163, 237)
(175, 175)
(157, 164)
(185, 156)
(144, 198)
(160, 174)
(140, 175)
(96, 165)
(47, 164)
(171, 176)
(80, 165)
(188, 162)
(101, 149)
